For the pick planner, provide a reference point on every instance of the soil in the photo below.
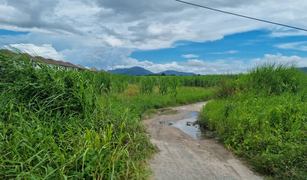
(183, 158)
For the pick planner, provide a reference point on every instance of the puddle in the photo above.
(192, 112)
(190, 127)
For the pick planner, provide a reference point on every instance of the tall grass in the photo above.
(56, 124)
(65, 124)
(264, 119)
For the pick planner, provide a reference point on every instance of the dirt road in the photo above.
(183, 158)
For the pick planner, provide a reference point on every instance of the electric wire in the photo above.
(243, 16)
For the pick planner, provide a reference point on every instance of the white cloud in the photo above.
(279, 58)
(196, 63)
(95, 33)
(190, 56)
(302, 46)
(226, 52)
(46, 50)
(155, 68)
(193, 65)
(222, 66)
(288, 33)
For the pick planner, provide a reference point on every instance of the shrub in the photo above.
(57, 124)
(265, 122)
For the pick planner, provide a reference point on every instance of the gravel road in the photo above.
(183, 158)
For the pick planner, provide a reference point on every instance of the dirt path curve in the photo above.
(183, 158)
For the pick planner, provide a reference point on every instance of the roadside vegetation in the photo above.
(262, 116)
(66, 124)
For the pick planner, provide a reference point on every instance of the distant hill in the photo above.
(303, 69)
(132, 71)
(170, 72)
(143, 72)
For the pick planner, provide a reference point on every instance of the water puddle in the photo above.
(190, 127)
(192, 112)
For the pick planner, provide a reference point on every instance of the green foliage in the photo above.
(120, 83)
(147, 85)
(263, 118)
(163, 85)
(186, 95)
(276, 78)
(174, 85)
(204, 81)
(65, 124)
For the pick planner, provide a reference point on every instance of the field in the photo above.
(66, 124)
(262, 116)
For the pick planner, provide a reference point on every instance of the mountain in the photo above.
(303, 69)
(143, 72)
(170, 72)
(132, 71)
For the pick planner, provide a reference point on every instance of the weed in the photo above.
(264, 121)
(64, 124)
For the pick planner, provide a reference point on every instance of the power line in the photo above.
(248, 17)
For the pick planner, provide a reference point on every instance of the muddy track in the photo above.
(183, 158)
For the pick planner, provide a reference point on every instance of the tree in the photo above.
(163, 74)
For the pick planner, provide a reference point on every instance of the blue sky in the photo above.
(4, 32)
(157, 35)
(241, 46)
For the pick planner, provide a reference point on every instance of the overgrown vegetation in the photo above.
(65, 124)
(262, 116)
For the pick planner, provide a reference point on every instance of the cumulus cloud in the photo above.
(196, 63)
(32, 15)
(190, 56)
(192, 65)
(46, 50)
(280, 59)
(153, 67)
(98, 33)
(144, 25)
(221, 66)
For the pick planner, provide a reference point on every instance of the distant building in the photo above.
(81, 67)
(94, 69)
(52, 62)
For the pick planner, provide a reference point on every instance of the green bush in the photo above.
(163, 85)
(65, 124)
(61, 124)
(274, 79)
(147, 85)
(266, 122)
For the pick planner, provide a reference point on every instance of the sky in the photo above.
(157, 35)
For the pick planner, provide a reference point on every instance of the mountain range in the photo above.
(144, 72)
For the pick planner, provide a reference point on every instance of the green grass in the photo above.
(262, 117)
(58, 124)
(186, 95)
(65, 124)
